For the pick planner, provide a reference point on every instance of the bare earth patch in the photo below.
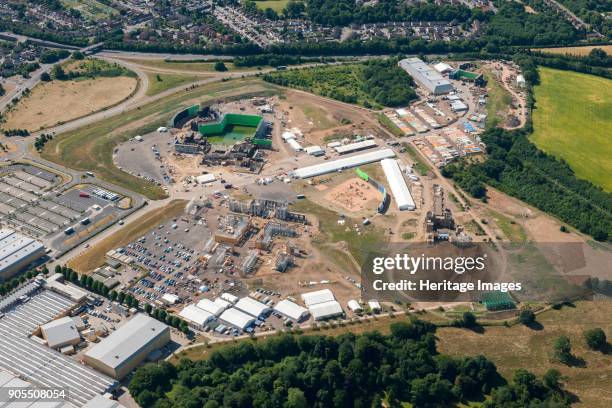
(354, 195)
(61, 101)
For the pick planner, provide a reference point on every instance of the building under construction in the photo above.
(439, 222)
(267, 209)
(232, 229)
(272, 230)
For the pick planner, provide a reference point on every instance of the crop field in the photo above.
(579, 51)
(572, 120)
(54, 102)
(511, 348)
(90, 148)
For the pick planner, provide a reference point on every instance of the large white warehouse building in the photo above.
(16, 252)
(291, 310)
(322, 304)
(426, 76)
(237, 318)
(253, 307)
(398, 186)
(341, 164)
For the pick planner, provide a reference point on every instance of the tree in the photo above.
(596, 339)
(45, 77)
(148, 308)
(295, 399)
(78, 55)
(58, 72)
(562, 349)
(294, 9)
(552, 379)
(220, 66)
(113, 295)
(59, 269)
(527, 317)
(2, 90)
(468, 319)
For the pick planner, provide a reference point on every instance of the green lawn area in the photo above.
(160, 82)
(276, 5)
(233, 134)
(511, 230)
(419, 164)
(91, 9)
(91, 147)
(498, 102)
(572, 120)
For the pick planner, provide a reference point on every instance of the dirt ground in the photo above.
(354, 195)
(60, 101)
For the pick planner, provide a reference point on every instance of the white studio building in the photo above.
(399, 188)
(253, 307)
(291, 310)
(237, 318)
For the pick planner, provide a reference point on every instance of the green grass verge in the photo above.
(161, 82)
(419, 164)
(390, 126)
(511, 230)
(91, 147)
(572, 120)
(498, 102)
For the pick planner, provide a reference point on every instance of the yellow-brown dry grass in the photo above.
(52, 103)
(580, 51)
(94, 257)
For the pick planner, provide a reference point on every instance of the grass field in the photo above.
(572, 120)
(160, 82)
(52, 103)
(94, 256)
(579, 51)
(90, 148)
(522, 347)
(187, 67)
(91, 9)
(276, 5)
(498, 102)
(511, 230)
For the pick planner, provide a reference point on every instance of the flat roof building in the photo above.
(291, 310)
(17, 252)
(355, 147)
(458, 106)
(426, 76)
(61, 332)
(252, 307)
(128, 346)
(401, 194)
(237, 318)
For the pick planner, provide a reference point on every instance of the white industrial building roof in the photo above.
(74, 293)
(443, 67)
(291, 310)
(229, 297)
(314, 150)
(213, 307)
(169, 298)
(458, 106)
(426, 76)
(354, 305)
(252, 307)
(127, 340)
(288, 135)
(60, 332)
(15, 248)
(236, 318)
(9, 380)
(374, 305)
(401, 194)
(345, 163)
(294, 145)
(353, 147)
(205, 178)
(319, 296)
(196, 315)
(102, 402)
(326, 310)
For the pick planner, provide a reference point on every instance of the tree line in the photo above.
(364, 370)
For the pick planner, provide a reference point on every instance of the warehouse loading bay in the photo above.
(37, 202)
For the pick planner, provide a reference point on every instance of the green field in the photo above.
(498, 102)
(91, 147)
(572, 120)
(92, 9)
(160, 82)
(276, 5)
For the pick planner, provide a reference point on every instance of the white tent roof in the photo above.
(170, 298)
(211, 307)
(345, 163)
(374, 305)
(354, 305)
(236, 318)
(196, 315)
(252, 307)
(229, 297)
(398, 186)
(326, 310)
(442, 67)
(292, 310)
(320, 296)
